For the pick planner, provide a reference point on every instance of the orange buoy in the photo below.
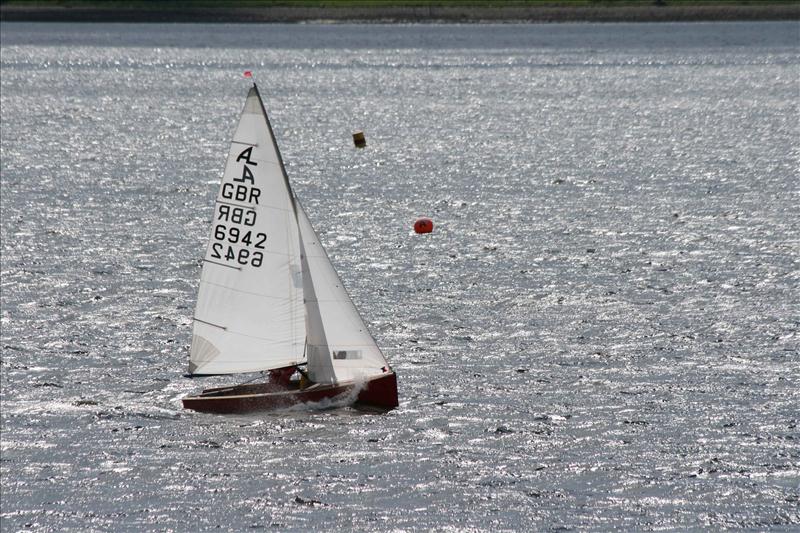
(423, 225)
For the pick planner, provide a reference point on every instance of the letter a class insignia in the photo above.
(246, 156)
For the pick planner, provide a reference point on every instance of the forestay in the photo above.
(249, 315)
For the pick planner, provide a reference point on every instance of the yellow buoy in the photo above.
(359, 140)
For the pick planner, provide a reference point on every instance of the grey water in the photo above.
(601, 332)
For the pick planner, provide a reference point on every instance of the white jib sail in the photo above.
(340, 348)
(250, 315)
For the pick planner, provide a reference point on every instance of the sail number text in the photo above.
(232, 234)
(233, 224)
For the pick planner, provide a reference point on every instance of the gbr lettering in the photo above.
(234, 240)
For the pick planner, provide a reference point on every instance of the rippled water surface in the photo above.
(601, 332)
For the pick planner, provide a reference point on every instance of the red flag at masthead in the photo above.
(248, 74)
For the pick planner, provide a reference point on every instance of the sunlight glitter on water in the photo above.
(600, 332)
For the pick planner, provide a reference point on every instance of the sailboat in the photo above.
(270, 300)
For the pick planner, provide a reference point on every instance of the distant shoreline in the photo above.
(389, 14)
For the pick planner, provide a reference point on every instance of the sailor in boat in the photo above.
(287, 377)
(305, 381)
(282, 376)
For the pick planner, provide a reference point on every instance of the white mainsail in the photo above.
(250, 315)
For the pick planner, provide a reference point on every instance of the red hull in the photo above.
(380, 392)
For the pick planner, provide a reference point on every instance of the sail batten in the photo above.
(234, 204)
(209, 323)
